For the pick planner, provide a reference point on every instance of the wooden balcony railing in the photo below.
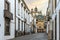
(8, 14)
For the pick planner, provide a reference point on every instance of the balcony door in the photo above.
(7, 26)
(56, 28)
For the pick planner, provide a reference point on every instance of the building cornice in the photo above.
(25, 5)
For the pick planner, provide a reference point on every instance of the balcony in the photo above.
(8, 14)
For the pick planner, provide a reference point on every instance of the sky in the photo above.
(40, 4)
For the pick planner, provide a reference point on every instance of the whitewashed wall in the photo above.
(57, 11)
(56, 14)
(2, 19)
(20, 10)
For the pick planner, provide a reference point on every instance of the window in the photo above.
(56, 28)
(7, 5)
(7, 26)
(19, 0)
(36, 19)
(39, 26)
(22, 25)
(21, 4)
(18, 7)
(18, 24)
(21, 10)
(24, 8)
(26, 11)
(55, 3)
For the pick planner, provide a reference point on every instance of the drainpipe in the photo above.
(15, 18)
(52, 24)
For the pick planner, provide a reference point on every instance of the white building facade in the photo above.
(24, 17)
(56, 20)
(7, 26)
(8, 29)
(54, 7)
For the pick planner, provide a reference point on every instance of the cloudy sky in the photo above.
(40, 4)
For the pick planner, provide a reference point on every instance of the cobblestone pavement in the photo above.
(38, 36)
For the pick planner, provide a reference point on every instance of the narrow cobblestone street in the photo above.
(38, 36)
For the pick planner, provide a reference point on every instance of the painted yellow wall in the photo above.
(40, 24)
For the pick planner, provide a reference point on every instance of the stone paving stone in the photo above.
(38, 36)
